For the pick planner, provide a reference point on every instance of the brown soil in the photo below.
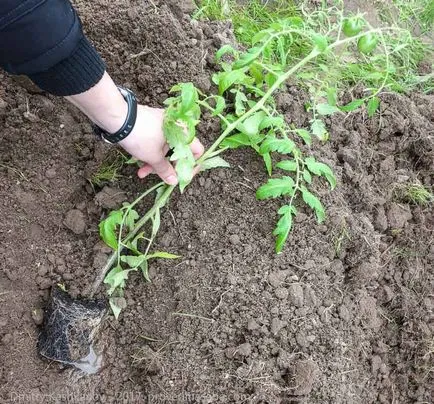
(345, 315)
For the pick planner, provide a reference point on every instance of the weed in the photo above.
(342, 236)
(248, 18)
(108, 171)
(246, 106)
(415, 194)
(416, 15)
(405, 54)
(395, 232)
(404, 252)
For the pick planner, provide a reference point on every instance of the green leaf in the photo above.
(326, 109)
(275, 187)
(318, 129)
(189, 96)
(375, 76)
(162, 254)
(257, 73)
(107, 228)
(260, 36)
(320, 42)
(192, 115)
(276, 26)
(116, 279)
(351, 106)
(282, 51)
(225, 80)
(287, 165)
(132, 261)
(271, 143)
(219, 106)
(214, 162)
(174, 133)
(256, 139)
(332, 96)
(250, 126)
(314, 203)
(131, 218)
(184, 170)
(235, 141)
(115, 308)
(247, 58)
(144, 268)
(270, 79)
(283, 227)
(156, 220)
(132, 245)
(180, 152)
(225, 49)
(305, 135)
(287, 208)
(268, 163)
(307, 177)
(271, 121)
(373, 105)
(240, 99)
(294, 21)
(321, 169)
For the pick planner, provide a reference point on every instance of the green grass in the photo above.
(415, 194)
(414, 14)
(427, 15)
(248, 18)
(108, 171)
(406, 54)
(405, 51)
(418, 17)
(404, 252)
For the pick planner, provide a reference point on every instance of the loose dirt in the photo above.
(345, 315)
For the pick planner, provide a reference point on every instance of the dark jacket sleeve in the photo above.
(43, 39)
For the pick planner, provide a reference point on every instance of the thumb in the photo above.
(165, 171)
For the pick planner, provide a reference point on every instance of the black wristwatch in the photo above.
(129, 123)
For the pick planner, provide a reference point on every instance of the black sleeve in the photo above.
(43, 39)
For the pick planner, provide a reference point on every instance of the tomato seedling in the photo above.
(245, 103)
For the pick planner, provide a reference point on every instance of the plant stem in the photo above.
(159, 203)
(127, 211)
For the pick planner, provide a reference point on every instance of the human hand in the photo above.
(147, 143)
(106, 107)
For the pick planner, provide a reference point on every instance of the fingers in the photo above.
(197, 148)
(165, 171)
(145, 170)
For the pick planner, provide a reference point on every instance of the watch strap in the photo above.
(129, 123)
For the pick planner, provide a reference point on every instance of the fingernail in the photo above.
(172, 180)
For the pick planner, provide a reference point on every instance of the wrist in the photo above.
(103, 104)
(128, 124)
(112, 119)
